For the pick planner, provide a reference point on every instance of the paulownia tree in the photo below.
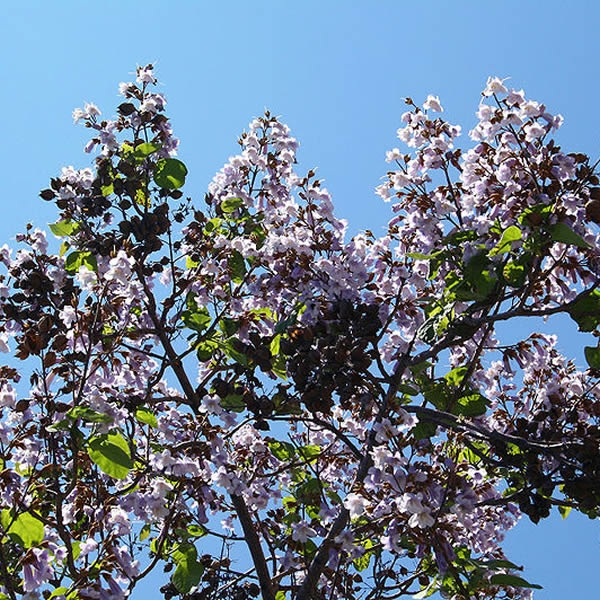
(234, 393)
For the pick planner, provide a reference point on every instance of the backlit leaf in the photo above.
(170, 173)
(110, 452)
(25, 529)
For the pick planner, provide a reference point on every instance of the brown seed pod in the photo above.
(592, 209)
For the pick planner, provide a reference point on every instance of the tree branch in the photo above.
(255, 547)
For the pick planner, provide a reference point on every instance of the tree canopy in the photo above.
(234, 392)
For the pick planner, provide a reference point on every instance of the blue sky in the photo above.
(337, 73)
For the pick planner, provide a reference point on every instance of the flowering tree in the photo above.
(239, 395)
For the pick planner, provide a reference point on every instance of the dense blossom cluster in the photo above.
(237, 392)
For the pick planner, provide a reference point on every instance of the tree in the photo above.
(237, 393)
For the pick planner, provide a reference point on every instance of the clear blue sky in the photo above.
(337, 73)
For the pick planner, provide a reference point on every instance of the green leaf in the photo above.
(458, 238)
(434, 326)
(478, 276)
(146, 416)
(126, 149)
(229, 326)
(142, 198)
(190, 263)
(592, 355)
(535, 215)
(110, 452)
(76, 549)
(170, 173)
(146, 149)
(197, 319)
(456, 376)
(237, 266)
(24, 529)
(564, 511)
(64, 228)
(234, 403)
(282, 450)
(212, 225)
(229, 349)
(362, 562)
(280, 595)
(409, 390)
(419, 255)
(189, 570)
(205, 350)
(60, 591)
(509, 236)
(87, 414)
(197, 531)
(561, 232)
(471, 405)
(513, 581)
(309, 493)
(145, 532)
(585, 311)
(230, 205)
(309, 452)
(80, 258)
(515, 274)
(438, 394)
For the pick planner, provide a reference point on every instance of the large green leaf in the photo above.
(24, 529)
(282, 450)
(237, 266)
(189, 570)
(362, 562)
(145, 149)
(146, 416)
(479, 276)
(509, 236)
(229, 205)
(513, 581)
(197, 319)
(80, 258)
(111, 453)
(456, 376)
(470, 405)
(64, 228)
(515, 273)
(561, 232)
(585, 311)
(87, 414)
(170, 173)
(233, 402)
(206, 349)
(592, 355)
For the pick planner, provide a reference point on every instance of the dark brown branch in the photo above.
(255, 547)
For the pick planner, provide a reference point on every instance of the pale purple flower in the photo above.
(355, 504)
(302, 531)
(145, 75)
(118, 521)
(433, 103)
(86, 278)
(346, 540)
(37, 570)
(87, 546)
(119, 268)
(495, 85)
